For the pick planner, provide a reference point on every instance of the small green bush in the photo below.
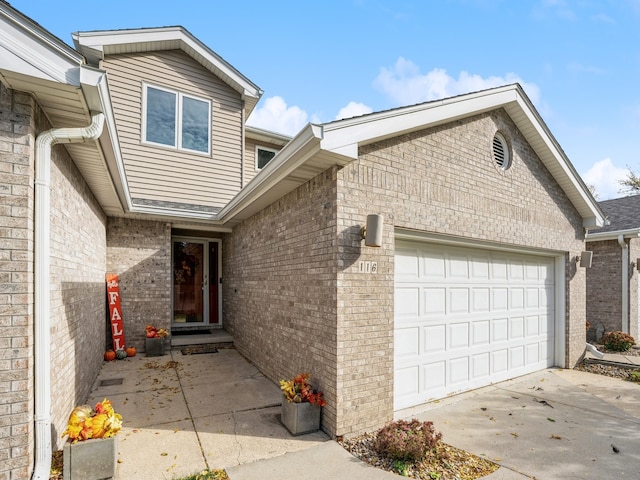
(406, 441)
(618, 341)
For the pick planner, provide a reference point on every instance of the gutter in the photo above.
(42, 327)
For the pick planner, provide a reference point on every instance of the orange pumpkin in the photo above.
(109, 356)
(131, 351)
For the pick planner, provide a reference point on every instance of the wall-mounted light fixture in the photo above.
(372, 233)
(585, 259)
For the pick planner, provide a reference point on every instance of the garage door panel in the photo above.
(458, 335)
(434, 265)
(435, 338)
(407, 342)
(435, 301)
(480, 333)
(458, 300)
(407, 302)
(478, 317)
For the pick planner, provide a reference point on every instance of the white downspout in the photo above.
(42, 333)
(625, 283)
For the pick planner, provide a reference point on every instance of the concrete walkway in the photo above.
(184, 413)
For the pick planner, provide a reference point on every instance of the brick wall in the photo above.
(140, 253)
(279, 288)
(77, 255)
(441, 180)
(604, 293)
(78, 292)
(16, 284)
(604, 288)
(294, 297)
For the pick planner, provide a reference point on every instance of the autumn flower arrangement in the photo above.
(299, 390)
(98, 422)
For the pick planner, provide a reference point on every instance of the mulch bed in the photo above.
(445, 463)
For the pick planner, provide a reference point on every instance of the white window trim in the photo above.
(177, 142)
(266, 149)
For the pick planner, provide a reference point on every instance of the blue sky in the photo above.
(579, 60)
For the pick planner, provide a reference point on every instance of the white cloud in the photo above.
(353, 109)
(405, 84)
(605, 177)
(276, 116)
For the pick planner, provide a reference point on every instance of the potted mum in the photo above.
(91, 450)
(301, 405)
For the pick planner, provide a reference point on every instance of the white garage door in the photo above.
(465, 318)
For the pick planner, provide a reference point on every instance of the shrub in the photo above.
(618, 341)
(402, 440)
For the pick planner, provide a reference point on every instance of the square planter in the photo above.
(93, 459)
(300, 418)
(154, 347)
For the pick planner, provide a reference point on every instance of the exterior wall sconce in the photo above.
(372, 232)
(585, 259)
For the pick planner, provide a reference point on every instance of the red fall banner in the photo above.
(115, 311)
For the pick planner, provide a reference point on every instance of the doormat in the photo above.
(195, 349)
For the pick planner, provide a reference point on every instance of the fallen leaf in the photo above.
(556, 437)
(514, 434)
(164, 454)
(550, 419)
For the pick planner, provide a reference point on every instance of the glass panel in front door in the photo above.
(189, 282)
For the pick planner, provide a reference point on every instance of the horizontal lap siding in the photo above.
(166, 174)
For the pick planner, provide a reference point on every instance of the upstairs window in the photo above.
(176, 120)
(264, 156)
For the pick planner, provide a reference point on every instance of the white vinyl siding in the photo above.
(466, 318)
(169, 174)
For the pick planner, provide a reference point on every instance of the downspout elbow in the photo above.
(41, 329)
(595, 352)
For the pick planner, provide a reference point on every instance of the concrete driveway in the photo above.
(555, 424)
(183, 413)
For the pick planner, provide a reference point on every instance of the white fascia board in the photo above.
(31, 50)
(378, 126)
(263, 135)
(597, 218)
(100, 41)
(601, 236)
(96, 92)
(292, 156)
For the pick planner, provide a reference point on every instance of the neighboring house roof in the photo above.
(336, 143)
(623, 218)
(95, 45)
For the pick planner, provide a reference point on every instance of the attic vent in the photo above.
(501, 152)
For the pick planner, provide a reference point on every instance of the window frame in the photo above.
(266, 149)
(178, 120)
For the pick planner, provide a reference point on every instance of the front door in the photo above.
(196, 282)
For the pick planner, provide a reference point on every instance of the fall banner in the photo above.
(115, 311)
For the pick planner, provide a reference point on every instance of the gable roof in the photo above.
(623, 218)
(69, 90)
(95, 45)
(336, 143)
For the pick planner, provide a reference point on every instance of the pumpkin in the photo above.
(121, 354)
(131, 351)
(109, 356)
